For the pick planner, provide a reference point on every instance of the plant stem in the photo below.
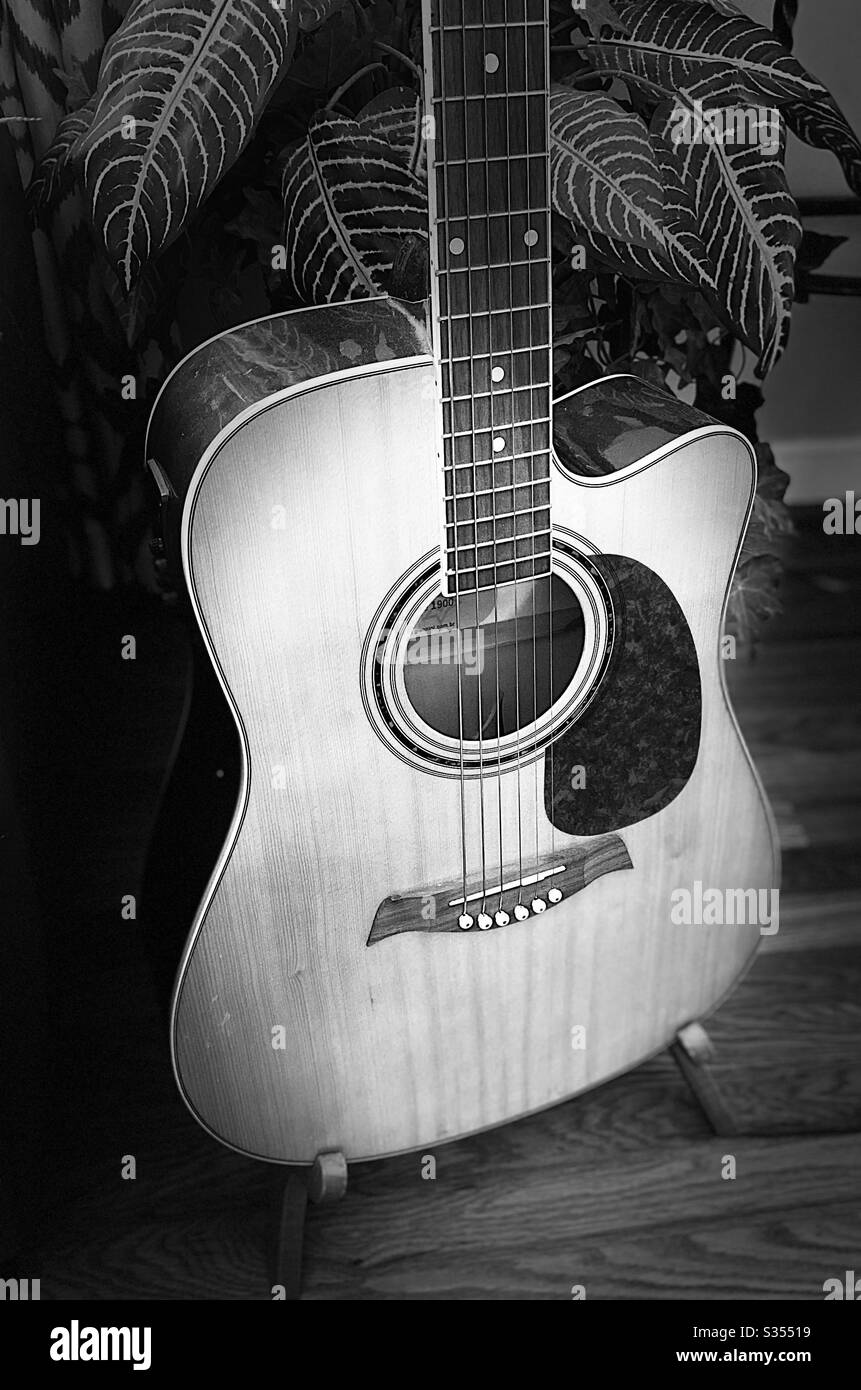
(351, 81)
(402, 57)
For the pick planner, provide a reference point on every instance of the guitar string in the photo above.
(445, 254)
(493, 474)
(515, 586)
(469, 272)
(547, 298)
(535, 581)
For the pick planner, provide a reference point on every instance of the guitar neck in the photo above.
(486, 70)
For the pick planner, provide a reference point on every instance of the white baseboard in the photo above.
(819, 468)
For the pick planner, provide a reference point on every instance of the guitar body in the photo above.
(327, 998)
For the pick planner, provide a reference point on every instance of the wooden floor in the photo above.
(620, 1191)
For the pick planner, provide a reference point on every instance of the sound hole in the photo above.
(487, 658)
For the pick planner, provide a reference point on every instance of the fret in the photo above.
(485, 99)
(480, 531)
(457, 492)
(533, 423)
(488, 516)
(523, 543)
(506, 159)
(498, 331)
(520, 543)
(534, 348)
(473, 449)
(497, 396)
(460, 12)
(517, 285)
(523, 369)
(493, 562)
(464, 581)
(500, 538)
(496, 291)
(499, 482)
(494, 179)
(539, 491)
(514, 212)
(471, 190)
(487, 565)
(454, 318)
(503, 530)
(507, 470)
(497, 265)
(491, 24)
(508, 504)
(505, 553)
(479, 413)
(489, 429)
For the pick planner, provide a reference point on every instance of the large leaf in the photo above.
(350, 203)
(622, 192)
(726, 223)
(603, 169)
(750, 229)
(720, 57)
(181, 86)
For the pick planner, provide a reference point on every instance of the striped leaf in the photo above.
(720, 57)
(726, 223)
(750, 230)
(58, 168)
(181, 86)
(350, 203)
(622, 192)
(396, 116)
(603, 168)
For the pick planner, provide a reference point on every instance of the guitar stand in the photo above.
(693, 1051)
(325, 1181)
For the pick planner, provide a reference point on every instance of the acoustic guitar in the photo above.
(470, 640)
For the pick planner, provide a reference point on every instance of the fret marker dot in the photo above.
(491, 62)
(530, 237)
(498, 444)
(498, 374)
(456, 245)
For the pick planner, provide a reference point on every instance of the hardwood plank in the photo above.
(664, 1226)
(813, 922)
(481, 1248)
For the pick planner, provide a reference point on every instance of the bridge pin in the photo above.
(501, 918)
(555, 895)
(484, 921)
(465, 921)
(538, 905)
(521, 912)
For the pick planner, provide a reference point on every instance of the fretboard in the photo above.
(487, 81)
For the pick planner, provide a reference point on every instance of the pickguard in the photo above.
(636, 744)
